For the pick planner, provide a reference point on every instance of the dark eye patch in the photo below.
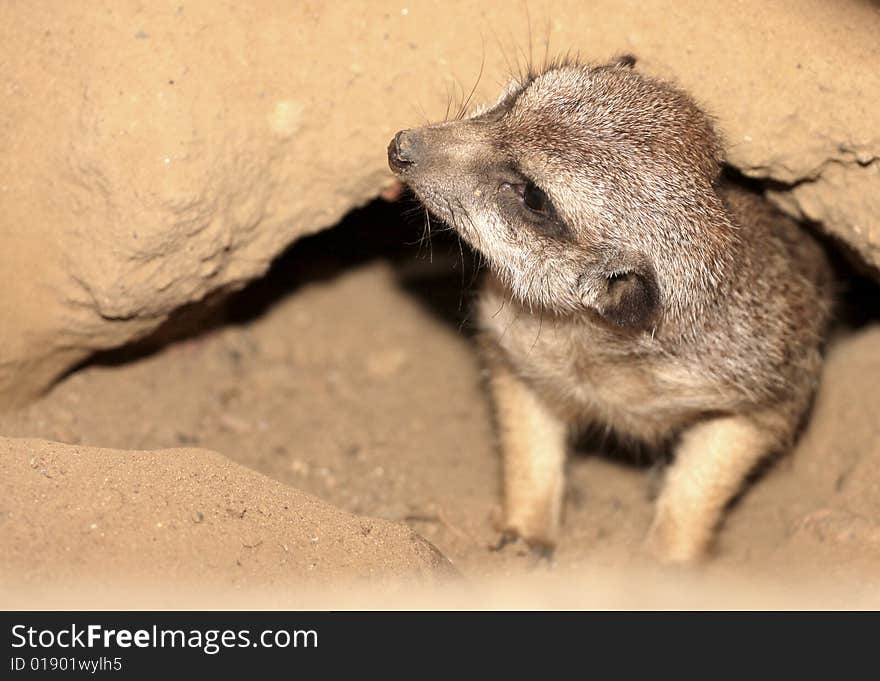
(537, 210)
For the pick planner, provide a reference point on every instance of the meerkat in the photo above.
(631, 287)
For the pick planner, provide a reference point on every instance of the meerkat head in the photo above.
(584, 187)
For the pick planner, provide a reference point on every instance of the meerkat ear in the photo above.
(632, 300)
(628, 298)
(627, 61)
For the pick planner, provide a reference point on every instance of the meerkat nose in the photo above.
(402, 152)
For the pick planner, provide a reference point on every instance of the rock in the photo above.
(183, 518)
(155, 156)
(839, 527)
(844, 198)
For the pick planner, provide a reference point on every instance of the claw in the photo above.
(541, 551)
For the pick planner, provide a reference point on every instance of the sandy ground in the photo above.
(349, 373)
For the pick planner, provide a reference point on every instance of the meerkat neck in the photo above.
(697, 265)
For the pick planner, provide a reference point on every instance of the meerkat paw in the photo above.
(540, 551)
(539, 527)
(711, 462)
(671, 542)
(539, 538)
(533, 445)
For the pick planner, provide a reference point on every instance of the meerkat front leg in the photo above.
(533, 447)
(711, 463)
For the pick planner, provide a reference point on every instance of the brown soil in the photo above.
(349, 373)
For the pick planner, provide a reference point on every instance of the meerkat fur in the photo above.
(630, 287)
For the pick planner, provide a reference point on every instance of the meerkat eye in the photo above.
(532, 197)
(540, 213)
(535, 199)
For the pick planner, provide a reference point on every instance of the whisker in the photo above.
(500, 307)
(529, 29)
(424, 113)
(503, 52)
(538, 335)
(463, 109)
(478, 261)
(460, 247)
(427, 233)
(512, 321)
(548, 35)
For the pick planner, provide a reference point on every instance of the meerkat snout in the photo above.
(403, 151)
(631, 287)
